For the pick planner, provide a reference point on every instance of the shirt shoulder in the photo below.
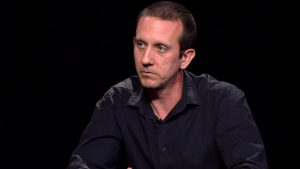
(206, 86)
(122, 91)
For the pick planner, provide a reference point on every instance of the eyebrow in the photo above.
(162, 44)
(139, 40)
(155, 44)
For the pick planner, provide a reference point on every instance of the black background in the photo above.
(59, 57)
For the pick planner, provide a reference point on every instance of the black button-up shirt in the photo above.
(211, 127)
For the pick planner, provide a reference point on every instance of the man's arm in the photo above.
(99, 145)
(236, 132)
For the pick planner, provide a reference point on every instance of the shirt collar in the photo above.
(139, 97)
(190, 94)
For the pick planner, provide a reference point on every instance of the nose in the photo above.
(147, 57)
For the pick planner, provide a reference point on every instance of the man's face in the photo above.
(156, 51)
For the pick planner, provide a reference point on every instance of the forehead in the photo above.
(150, 27)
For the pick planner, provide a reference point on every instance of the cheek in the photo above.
(170, 66)
(135, 56)
(136, 61)
(170, 62)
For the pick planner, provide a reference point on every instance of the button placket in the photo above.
(162, 145)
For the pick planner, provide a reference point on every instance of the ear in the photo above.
(187, 57)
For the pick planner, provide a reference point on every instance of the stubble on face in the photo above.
(150, 81)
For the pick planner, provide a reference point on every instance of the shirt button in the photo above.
(164, 149)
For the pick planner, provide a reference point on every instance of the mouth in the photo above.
(147, 73)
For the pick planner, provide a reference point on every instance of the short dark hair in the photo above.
(167, 10)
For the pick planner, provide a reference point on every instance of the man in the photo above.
(167, 117)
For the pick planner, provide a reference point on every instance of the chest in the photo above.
(186, 139)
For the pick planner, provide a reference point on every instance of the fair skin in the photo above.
(157, 61)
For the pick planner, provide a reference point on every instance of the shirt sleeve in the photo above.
(236, 133)
(100, 143)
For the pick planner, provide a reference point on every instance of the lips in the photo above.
(147, 73)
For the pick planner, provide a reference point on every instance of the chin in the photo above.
(149, 84)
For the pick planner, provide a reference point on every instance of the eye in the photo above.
(162, 49)
(140, 44)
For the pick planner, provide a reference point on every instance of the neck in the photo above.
(164, 100)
